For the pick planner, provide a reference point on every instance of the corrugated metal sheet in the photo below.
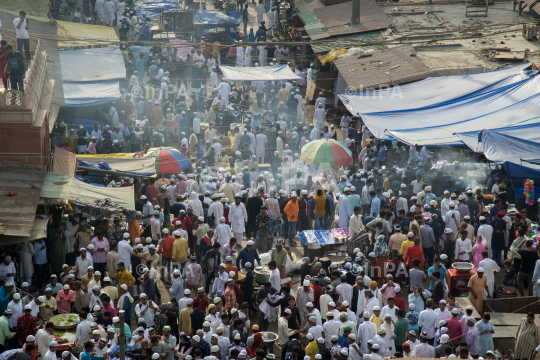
(18, 212)
(337, 17)
(384, 68)
(348, 41)
(309, 18)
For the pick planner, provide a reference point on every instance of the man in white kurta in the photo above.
(320, 116)
(100, 9)
(450, 222)
(366, 331)
(344, 210)
(486, 231)
(270, 16)
(120, 6)
(239, 55)
(224, 89)
(490, 268)
(260, 146)
(8, 267)
(109, 12)
(238, 217)
(331, 328)
(247, 55)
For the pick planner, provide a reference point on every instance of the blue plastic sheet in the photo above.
(323, 237)
(153, 9)
(216, 18)
(105, 166)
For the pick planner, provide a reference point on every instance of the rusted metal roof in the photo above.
(336, 18)
(20, 187)
(389, 67)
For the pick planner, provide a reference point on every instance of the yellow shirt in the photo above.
(179, 250)
(320, 202)
(404, 246)
(386, 184)
(376, 320)
(312, 349)
(283, 95)
(125, 277)
(184, 321)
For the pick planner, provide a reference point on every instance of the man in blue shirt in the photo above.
(437, 266)
(6, 292)
(375, 204)
(248, 254)
(184, 123)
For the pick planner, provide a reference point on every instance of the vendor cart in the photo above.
(454, 277)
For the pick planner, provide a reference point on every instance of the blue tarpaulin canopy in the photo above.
(216, 18)
(153, 9)
(520, 158)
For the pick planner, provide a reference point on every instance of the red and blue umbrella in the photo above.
(169, 160)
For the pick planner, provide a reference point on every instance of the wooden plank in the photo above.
(2, 229)
(511, 56)
(508, 319)
(463, 302)
(505, 332)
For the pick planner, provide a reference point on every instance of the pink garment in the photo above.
(64, 306)
(388, 291)
(91, 148)
(111, 309)
(477, 249)
(100, 256)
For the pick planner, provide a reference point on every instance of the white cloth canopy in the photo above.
(260, 73)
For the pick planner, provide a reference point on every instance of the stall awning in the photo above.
(144, 166)
(39, 231)
(76, 34)
(512, 105)
(82, 65)
(261, 73)
(63, 187)
(518, 157)
(91, 76)
(91, 93)
(432, 91)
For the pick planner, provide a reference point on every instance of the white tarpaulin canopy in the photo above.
(96, 64)
(260, 73)
(431, 91)
(92, 76)
(64, 187)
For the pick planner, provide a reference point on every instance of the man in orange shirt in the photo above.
(291, 210)
(165, 249)
(135, 228)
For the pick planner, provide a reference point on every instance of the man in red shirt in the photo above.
(455, 327)
(185, 222)
(152, 191)
(26, 324)
(165, 249)
(202, 299)
(398, 301)
(414, 252)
